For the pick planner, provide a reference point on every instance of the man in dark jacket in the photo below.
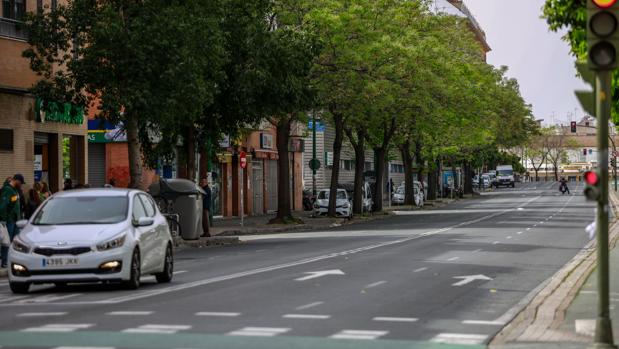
(10, 210)
(206, 206)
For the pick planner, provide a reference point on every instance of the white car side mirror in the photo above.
(145, 221)
(21, 224)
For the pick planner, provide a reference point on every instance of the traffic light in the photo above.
(592, 185)
(573, 126)
(602, 34)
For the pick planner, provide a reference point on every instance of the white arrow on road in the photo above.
(470, 278)
(317, 274)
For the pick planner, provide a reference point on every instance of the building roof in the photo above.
(459, 8)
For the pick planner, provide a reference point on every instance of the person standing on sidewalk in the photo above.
(206, 206)
(10, 211)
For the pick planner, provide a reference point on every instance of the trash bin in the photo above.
(186, 201)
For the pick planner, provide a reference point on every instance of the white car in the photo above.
(343, 204)
(92, 235)
(397, 198)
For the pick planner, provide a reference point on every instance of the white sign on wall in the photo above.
(38, 162)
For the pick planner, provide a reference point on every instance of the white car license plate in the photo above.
(59, 262)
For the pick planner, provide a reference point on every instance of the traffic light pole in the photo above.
(314, 154)
(603, 329)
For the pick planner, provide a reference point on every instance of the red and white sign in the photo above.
(243, 159)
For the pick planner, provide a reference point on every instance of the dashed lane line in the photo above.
(259, 331)
(58, 328)
(41, 314)
(217, 314)
(395, 319)
(377, 283)
(163, 329)
(309, 305)
(483, 322)
(420, 269)
(306, 316)
(459, 338)
(130, 313)
(359, 334)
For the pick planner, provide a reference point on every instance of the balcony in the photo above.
(12, 29)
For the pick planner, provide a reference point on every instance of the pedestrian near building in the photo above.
(45, 192)
(68, 184)
(206, 206)
(10, 211)
(35, 198)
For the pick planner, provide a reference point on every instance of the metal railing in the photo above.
(13, 29)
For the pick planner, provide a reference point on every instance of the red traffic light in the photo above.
(604, 3)
(591, 178)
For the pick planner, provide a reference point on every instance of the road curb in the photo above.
(540, 316)
(207, 242)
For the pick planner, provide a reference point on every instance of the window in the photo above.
(369, 166)
(138, 209)
(347, 165)
(148, 205)
(6, 140)
(13, 9)
(397, 168)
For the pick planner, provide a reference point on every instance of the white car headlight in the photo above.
(346, 205)
(113, 243)
(20, 246)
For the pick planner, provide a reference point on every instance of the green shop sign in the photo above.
(66, 113)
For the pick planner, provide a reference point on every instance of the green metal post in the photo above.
(603, 330)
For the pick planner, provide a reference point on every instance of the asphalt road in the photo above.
(452, 275)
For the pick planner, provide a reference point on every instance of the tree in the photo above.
(537, 151)
(286, 92)
(109, 55)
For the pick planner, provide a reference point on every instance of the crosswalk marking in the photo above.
(459, 338)
(259, 331)
(58, 328)
(310, 305)
(217, 313)
(482, 322)
(359, 334)
(84, 348)
(306, 316)
(165, 329)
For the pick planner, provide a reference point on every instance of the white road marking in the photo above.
(519, 233)
(482, 322)
(359, 334)
(129, 313)
(217, 313)
(165, 329)
(420, 270)
(528, 228)
(58, 328)
(306, 316)
(310, 305)
(467, 279)
(259, 331)
(179, 272)
(395, 319)
(509, 237)
(48, 298)
(58, 313)
(453, 259)
(495, 243)
(378, 283)
(477, 250)
(459, 338)
(317, 274)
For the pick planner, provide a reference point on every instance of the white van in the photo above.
(504, 176)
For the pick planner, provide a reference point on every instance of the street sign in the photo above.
(314, 164)
(243, 159)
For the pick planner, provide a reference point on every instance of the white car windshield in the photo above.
(505, 172)
(400, 190)
(83, 210)
(324, 195)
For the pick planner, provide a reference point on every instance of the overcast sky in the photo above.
(537, 57)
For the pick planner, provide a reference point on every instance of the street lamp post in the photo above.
(314, 154)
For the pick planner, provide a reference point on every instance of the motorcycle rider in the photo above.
(563, 184)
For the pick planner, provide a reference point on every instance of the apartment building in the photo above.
(43, 140)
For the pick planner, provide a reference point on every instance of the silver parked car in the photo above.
(92, 235)
(343, 204)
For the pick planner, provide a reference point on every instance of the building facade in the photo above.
(43, 140)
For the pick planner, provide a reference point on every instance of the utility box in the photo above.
(182, 197)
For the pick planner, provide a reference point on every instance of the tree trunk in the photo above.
(432, 182)
(407, 159)
(359, 148)
(284, 210)
(379, 167)
(420, 162)
(468, 178)
(135, 153)
(536, 176)
(338, 120)
(190, 142)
